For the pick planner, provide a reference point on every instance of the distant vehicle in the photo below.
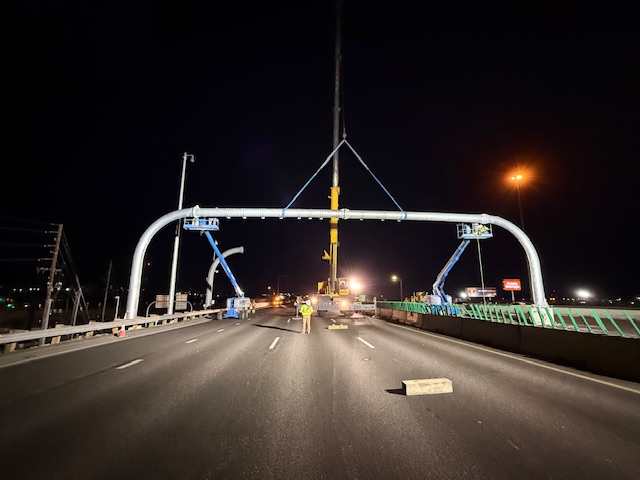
(276, 301)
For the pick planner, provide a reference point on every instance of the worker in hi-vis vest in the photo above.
(306, 310)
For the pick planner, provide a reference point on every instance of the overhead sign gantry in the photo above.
(535, 270)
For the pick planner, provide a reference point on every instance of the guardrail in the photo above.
(573, 319)
(11, 340)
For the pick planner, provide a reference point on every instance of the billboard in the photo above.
(479, 292)
(511, 284)
(181, 301)
(162, 301)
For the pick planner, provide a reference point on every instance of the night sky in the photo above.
(443, 103)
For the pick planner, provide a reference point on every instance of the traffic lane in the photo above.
(42, 371)
(235, 418)
(114, 411)
(373, 424)
(581, 428)
(323, 405)
(296, 418)
(242, 412)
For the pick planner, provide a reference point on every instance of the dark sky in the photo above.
(441, 102)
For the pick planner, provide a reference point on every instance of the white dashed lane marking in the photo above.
(273, 344)
(130, 364)
(365, 342)
(221, 330)
(192, 340)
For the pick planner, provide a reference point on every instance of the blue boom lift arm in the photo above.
(466, 232)
(438, 286)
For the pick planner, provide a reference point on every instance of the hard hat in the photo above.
(308, 302)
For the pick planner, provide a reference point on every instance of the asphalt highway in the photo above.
(253, 398)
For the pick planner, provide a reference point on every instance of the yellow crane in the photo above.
(335, 291)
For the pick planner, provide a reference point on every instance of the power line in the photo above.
(29, 221)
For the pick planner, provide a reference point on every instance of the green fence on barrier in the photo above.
(587, 320)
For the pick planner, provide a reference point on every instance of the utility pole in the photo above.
(278, 282)
(176, 240)
(50, 283)
(106, 290)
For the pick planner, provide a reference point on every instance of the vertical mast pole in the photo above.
(50, 284)
(106, 289)
(335, 189)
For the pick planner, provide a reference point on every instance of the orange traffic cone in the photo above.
(122, 332)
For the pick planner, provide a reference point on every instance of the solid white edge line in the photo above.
(365, 342)
(273, 344)
(525, 360)
(130, 364)
(192, 340)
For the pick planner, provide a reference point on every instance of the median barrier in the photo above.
(499, 335)
(606, 355)
(414, 319)
(451, 326)
(613, 356)
(399, 316)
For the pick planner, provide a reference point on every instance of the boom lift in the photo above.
(238, 305)
(466, 232)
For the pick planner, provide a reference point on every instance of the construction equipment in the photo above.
(466, 232)
(236, 306)
(335, 293)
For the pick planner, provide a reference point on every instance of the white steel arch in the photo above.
(535, 270)
(208, 297)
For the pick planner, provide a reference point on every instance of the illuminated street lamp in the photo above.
(519, 178)
(396, 278)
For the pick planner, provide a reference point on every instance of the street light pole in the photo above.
(517, 178)
(396, 278)
(278, 282)
(176, 240)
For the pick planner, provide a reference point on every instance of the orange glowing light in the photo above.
(521, 175)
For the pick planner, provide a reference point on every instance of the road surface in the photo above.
(236, 399)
